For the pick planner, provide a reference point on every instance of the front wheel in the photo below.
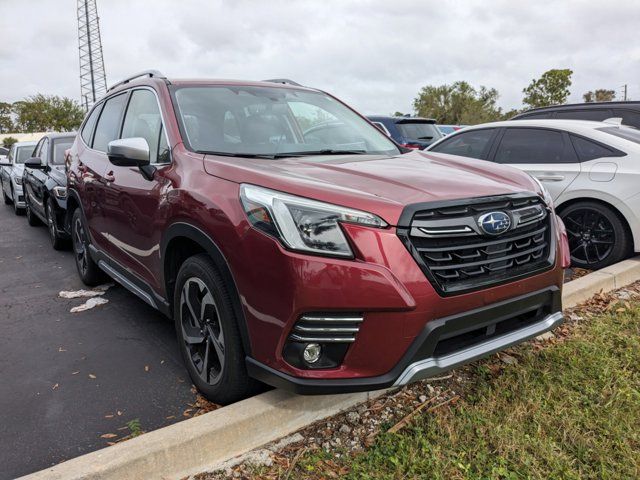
(88, 270)
(58, 242)
(32, 219)
(208, 334)
(597, 236)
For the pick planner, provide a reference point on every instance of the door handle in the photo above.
(550, 178)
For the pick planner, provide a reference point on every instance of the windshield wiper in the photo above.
(425, 138)
(242, 155)
(327, 151)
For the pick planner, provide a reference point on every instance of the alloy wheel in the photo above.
(51, 223)
(591, 235)
(202, 330)
(79, 246)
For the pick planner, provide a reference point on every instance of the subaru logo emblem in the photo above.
(494, 223)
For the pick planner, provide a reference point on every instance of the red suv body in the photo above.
(294, 243)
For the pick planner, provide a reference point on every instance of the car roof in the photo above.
(54, 135)
(25, 144)
(401, 119)
(573, 125)
(585, 106)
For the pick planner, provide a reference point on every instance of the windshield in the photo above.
(273, 122)
(631, 134)
(23, 153)
(59, 147)
(426, 132)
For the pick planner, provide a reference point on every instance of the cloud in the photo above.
(373, 54)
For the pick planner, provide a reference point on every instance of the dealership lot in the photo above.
(52, 407)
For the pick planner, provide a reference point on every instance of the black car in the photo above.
(45, 185)
(597, 111)
(410, 132)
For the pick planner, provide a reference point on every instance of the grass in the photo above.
(570, 411)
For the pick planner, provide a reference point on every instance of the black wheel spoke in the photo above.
(591, 235)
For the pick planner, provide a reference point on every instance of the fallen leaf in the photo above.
(75, 373)
(91, 375)
(108, 435)
(108, 416)
(161, 362)
(60, 349)
(55, 386)
(119, 413)
(146, 368)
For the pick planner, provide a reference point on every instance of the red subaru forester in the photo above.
(294, 244)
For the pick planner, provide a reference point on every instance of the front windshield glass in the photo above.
(59, 147)
(273, 122)
(23, 153)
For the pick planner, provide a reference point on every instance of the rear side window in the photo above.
(629, 117)
(538, 115)
(588, 150)
(108, 127)
(87, 130)
(472, 144)
(426, 132)
(595, 114)
(143, 120)
(530, 145)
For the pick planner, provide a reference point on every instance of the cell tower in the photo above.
(93, 80)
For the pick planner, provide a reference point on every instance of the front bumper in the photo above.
(18, 196)
(443, 344)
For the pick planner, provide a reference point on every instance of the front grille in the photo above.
(457, 254)
(326, 328)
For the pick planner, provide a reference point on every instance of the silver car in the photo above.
(11, 170)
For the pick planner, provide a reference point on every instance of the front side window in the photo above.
(472, 144)
(530, 145)
(87, 129)
(108, 127)
(59, 147)
(273, 122)
(23, 153)
(44, 151)
(143, 120)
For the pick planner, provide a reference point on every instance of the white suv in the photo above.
(591, 169)
(11, 170)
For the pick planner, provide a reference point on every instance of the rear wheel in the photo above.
(88, 270)
(208, 334)
(597, 235)
(57, 239)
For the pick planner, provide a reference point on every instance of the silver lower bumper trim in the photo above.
(436, 365)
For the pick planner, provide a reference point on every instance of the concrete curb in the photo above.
(203, 443)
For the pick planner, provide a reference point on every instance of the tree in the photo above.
(8, 141)
(6, 123)
(41, 113)
(600, 95)
(552, 88)
(458, 104)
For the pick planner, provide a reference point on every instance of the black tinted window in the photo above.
(595, 114)
(426, 132)
(530, 145)
(473, 144)
(630, 134)
(108, 127)
(87, 130)
(588, 150)
(536, 115)
(629, 117)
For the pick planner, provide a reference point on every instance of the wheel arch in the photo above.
(183, 240)
(625, 222)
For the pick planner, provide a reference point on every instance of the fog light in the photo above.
(312, 352)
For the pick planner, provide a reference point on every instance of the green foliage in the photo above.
(41, 113)
(8, 141)
(6, 123)
(458, 104)
(135, 427)
(552, 88)
(600, 95)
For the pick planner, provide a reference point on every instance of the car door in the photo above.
(6, 171)
(474, 143)
(134, 198)
(36, 179)
(92, 165)
(545, 153)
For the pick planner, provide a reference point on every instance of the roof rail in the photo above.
(149, 73)
(285, 81)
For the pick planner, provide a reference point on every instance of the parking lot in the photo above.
(72, 382)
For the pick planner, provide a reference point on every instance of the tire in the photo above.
(32, 219)
(88, 270)
(58, 241)
(7, 200)
(597, 235)
(208, 334)
(18, 211)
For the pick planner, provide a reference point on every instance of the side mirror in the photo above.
(129, 152)
(35, 163)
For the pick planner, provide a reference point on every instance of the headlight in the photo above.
(18, 180)
(302, 224)
(60, 192)
(545, 193)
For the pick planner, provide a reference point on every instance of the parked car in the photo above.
(44, 182)
(4, 152)
(595, 111)
(448, 129)
(591, 169)
(310, 265)
(11, 174)
(410, 132)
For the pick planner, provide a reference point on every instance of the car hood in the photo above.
(378, 184)
(58, 174)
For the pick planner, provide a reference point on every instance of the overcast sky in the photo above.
(374, 54)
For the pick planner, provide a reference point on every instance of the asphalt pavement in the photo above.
(72, 382)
